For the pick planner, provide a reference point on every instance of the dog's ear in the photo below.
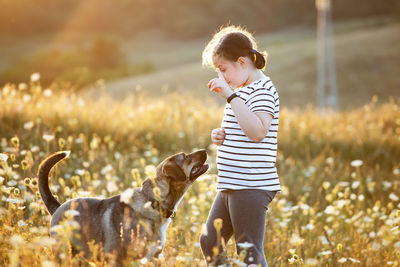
(171, 168)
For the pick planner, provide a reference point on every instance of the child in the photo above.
(247, 146)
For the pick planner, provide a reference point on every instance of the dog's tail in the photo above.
(43, 175)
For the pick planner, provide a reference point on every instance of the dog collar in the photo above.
(167, 212)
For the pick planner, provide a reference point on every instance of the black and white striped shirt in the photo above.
(241, 162)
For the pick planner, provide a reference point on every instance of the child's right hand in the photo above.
(218, 136)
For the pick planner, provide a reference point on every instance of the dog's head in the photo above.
(184, 168)
(174, 176)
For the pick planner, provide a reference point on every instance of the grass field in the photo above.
(340, 174)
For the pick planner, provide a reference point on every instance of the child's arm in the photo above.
(254, 125)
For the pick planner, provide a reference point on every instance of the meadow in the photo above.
(340, 201)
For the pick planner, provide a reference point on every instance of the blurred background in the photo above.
(121, 85)
(154, 47)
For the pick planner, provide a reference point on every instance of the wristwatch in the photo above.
(232, 96)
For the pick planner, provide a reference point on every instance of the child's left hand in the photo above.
(220, 86)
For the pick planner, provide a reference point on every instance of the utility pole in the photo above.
(327, 95)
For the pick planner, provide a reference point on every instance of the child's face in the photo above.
(235, 73)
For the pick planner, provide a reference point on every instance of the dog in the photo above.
(137, 220)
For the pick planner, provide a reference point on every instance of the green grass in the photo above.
(339, 171)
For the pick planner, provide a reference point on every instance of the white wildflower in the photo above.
(356, 163)
(296, 240)
(112, 187)
(48, 137)
(331, 210)
(355, 184)
(311, 262)
(393, 197)
(47, 92)
(21, 223)
(342, 260)
(245, 245)
(106, 169)
(35, 149)
(35, 77)
(324, 253)
(354, 260)
(375, 246)
(387, 184)
(29, 125)
(3, 157)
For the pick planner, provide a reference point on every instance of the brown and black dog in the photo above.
(119, 222)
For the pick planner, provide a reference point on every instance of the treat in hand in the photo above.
(216, 89)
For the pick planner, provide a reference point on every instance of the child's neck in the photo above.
(254, 76)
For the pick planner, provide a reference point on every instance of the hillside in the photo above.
(367, 64)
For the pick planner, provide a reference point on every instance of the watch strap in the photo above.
(232, 96)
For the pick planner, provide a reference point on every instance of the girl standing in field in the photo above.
(247, 147)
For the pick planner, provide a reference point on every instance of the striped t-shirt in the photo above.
(241, 162)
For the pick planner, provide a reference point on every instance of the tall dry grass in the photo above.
(340, 173)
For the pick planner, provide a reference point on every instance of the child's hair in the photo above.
(232, 42)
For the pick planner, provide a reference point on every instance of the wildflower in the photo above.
(24, 164)
(310, 227)
(326, 185)
(29, 125)
(296, 240)
(35, 149)
(330, 210)
(27, 181)
(329, 161)
(26, 98)
(112, 186)
(48, 137)
(150, 171)
(375, 246)
(311, 262)
(3, 157)
(396, 171)
(22, 86)
(324, 253)
(16, 191)
(15, 141)
(35, 77)
(393, 197)
(21, 223)
(106, 169)
(47, 92)
(356, 163)
(323, 240)
(245, 245)
(342, 260)
(354, 260)
(355, 184)
(61, 143)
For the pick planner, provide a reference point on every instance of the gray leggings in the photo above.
(243, 214)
